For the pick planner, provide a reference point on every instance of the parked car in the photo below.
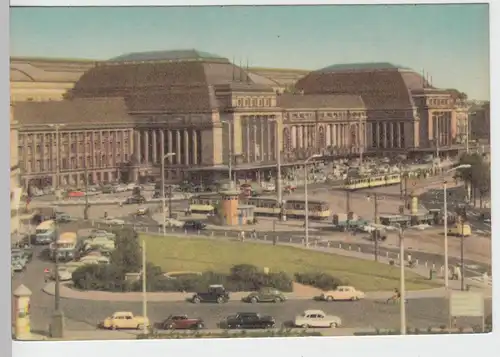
(25, 253)
(178, 322)
(250, 320)
(101, 233)
(124, 320)
(342, 293)
(135, 200)
(194, 225)
(265, 295)
(18, 265)
(215, 293)
(61, 217)
(316, 318)
(142, 211)
(113, 221)
(173, 223)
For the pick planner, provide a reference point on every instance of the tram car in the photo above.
(372, 181)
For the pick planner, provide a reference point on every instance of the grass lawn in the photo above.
(199, 255)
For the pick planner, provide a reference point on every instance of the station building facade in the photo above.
(123, 115)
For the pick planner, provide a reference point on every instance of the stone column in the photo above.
(195, 147)
(271, 135)
(264, 152)
(155, 146)
(146, 146)
(254, 141)
(162, 144)
(247, 133)
(377, 136)
(138, 146)
(390, 134)
(186, 147)
(178, 146)
(169, 143)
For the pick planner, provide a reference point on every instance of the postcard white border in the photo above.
(458, 345)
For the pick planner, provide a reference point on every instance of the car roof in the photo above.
(310, 312)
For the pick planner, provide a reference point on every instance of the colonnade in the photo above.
(151, 144)
(441, 128)
(340, 135)
(388, 135)
(258, 138)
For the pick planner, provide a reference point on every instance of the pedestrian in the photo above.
(46, 274)
(242, 236)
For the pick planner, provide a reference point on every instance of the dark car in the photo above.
(250, 320)
(135, 200)
(180, 322)
(215, 293)
(194, 225)
(265, 295)
(61, 217)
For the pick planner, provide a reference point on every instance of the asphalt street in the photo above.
(85, 314)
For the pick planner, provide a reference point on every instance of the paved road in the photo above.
(84, 314)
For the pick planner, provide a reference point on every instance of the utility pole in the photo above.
(144, 289)
(86, 183)
(462, 275)
(57, 322)
(402, 287)
(170, 201)
(377, 232)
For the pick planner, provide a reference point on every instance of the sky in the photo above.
(449, 42)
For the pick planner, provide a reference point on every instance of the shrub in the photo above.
(99, 277)
(318, 280)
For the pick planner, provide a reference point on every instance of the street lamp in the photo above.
(445, 213)
(56, 127)
(170, 154)
(402, 286)
(305, 198)
(230, 160)
(279, 190)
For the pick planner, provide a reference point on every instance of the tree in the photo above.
(127, 253)
(476, 177)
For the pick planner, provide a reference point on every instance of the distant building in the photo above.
(403, 111)
(44, 79)
(15, 187)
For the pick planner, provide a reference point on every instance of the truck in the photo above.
(124, 320)
(250, 320)
(214, 293)
(343, 221)
(45, 232)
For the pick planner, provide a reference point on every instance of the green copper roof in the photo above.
(174, 55)
(361, 67)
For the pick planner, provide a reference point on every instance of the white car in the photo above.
(120, 188)
(342, 293)
(93, 259)
(110, 220)
(316, 318)
(173, 223)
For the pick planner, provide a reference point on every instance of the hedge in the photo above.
(228, 334)
(318, 280)
(241, 278)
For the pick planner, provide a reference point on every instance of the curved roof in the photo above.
(48, 70)
(174, 55)
(160, 86)
(364, 66)
(381, 85)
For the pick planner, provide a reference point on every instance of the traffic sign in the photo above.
(466, 303)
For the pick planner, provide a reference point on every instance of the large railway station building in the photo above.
(120, 117)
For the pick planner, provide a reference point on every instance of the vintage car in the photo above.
(265, 295)
(250, 320)
(342, 293)
(124, 320)
(178, 322)
(316, 318)
(215, 293)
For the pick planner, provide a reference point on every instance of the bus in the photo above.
(65, 246)
(45, 232)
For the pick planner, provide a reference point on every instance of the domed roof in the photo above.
(172, 55)
(155, 83)
(381, 85)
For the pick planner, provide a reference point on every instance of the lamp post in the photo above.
(305, 198)
(170, 154)
(402, 282)
(144, 288)
(279, 190)
(445, 213)
(230, 159)
(57, 127)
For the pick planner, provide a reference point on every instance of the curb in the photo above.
(167, 296)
